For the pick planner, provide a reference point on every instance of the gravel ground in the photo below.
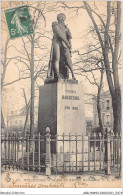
(29, 179)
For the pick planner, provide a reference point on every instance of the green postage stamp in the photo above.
(18, 21)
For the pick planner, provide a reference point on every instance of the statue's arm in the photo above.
(57, 31)
(68, 33)
(69, 37)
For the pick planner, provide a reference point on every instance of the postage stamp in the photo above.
(18, 21)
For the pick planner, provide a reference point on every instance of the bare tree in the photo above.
(33, 65)
(108, 34)
(99, 99)
(106, 45)
(26, 58)
(6, 60)
(36, 52)
(27, 106)
(31, 58)
(92, 68)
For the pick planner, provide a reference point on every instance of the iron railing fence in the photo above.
(78, 153)
(65, 153)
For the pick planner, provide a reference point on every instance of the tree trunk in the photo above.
(117, 99)
(113, 82)
(3, 77)
(32, 89)
(116, 104)
(26, 120)
(27, 112)
(99, 114)
(113, 87)
(32, 107)
(25, 124)
(4, 63)
(2, 121)
(98, 101)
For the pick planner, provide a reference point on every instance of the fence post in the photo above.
(120, 138)
(108, 152)
(100, 156)
(117, 149)
(48, 153)
(39, 153)
(94, 151)
(28, 149)
(5, 150)
(89, 145)
(112, 147)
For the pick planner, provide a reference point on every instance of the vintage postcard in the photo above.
(61, 94)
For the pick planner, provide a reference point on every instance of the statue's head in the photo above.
(61, 17)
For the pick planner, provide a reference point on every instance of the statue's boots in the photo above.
(73, 77)
(56, 70)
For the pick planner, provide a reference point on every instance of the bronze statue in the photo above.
(60, 56)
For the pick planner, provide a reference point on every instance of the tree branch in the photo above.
(6, 84)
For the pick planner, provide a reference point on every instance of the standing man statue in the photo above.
(60, 50)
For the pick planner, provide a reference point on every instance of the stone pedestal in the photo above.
(61, 108)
